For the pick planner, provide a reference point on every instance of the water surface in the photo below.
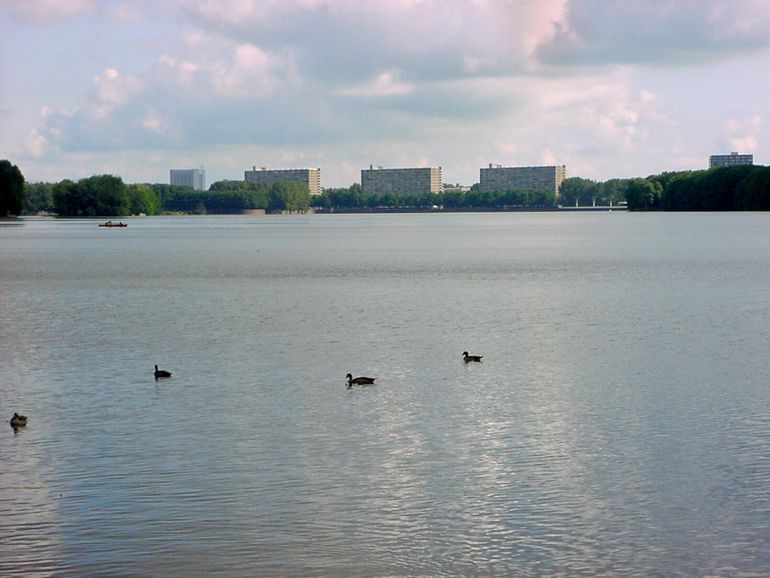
(619, 424)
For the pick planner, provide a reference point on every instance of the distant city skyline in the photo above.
(610, 89)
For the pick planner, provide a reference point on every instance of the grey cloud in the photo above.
(347, 42)
(45, 12)
(664, 33)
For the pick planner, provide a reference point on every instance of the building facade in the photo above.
(377, 180)
(195, 178)
(262, 175)
(497, 178)
(730, 160)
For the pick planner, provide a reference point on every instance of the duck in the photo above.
(18, 421)
(469, 358)
(359, 380)
(161, 373)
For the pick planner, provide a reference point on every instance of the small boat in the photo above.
(111, 224)
(18, 421)
(359, 380)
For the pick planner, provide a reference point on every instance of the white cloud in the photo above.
(48, 11)
(35, 144)
(153, 121)
(234, 69)
(647, 96)
(384, 84)
(113, 90)
(743, 134)
(345, 40)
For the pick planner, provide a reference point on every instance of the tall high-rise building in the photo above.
(730, 160)
(376, 180)
(500, 179)
(195, 178)
(262, 175)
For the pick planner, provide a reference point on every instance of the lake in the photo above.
(619, 423)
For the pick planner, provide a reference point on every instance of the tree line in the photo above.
(353, 198)
(737, 188)
(108, 195)
(742, 188)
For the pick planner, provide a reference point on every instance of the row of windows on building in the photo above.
(378, 180)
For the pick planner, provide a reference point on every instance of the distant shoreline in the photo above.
(347, 211)
(324, 211)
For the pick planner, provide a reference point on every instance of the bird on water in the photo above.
(469, 358)
(359, 380)
(18, 421)
(161, 373)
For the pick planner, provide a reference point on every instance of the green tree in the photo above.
(102, 195)
(643, 194)
(614, 191)
(683, 191)
(11, 189)
(143, 200)
(38, 197)
(578, 191)
(288, 196)
(753, 192)
(65, 199)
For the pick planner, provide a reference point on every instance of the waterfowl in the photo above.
(161, 373)
(469, 358)
(18, 420)
(359, 380)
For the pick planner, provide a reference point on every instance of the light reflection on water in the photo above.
(618, 425)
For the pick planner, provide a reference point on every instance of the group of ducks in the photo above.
(18, 421)
(360, 380)
(363, 380)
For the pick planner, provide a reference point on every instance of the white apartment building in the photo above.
(195, 178)
(263, 175)
(497, 178)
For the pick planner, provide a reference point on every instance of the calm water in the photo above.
(619, 425)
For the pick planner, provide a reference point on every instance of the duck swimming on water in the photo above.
(469, 358)
(18, 421)
(161, 373)
(359, 380)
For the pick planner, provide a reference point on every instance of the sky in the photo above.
(609, 88)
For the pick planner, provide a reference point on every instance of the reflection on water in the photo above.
(618, 424)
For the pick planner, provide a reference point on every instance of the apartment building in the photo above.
(377, 180)
(730, 160)
(263, 175)
(497, 178)
(195, 178)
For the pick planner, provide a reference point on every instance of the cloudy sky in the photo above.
(610, 88)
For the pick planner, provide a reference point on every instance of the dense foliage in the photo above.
(38, 198)
(743, 188)
(103, 195)
(353, 198)
(11, 189)
(235, 197)
(107, 195)
(576, 191)
(738, 188)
